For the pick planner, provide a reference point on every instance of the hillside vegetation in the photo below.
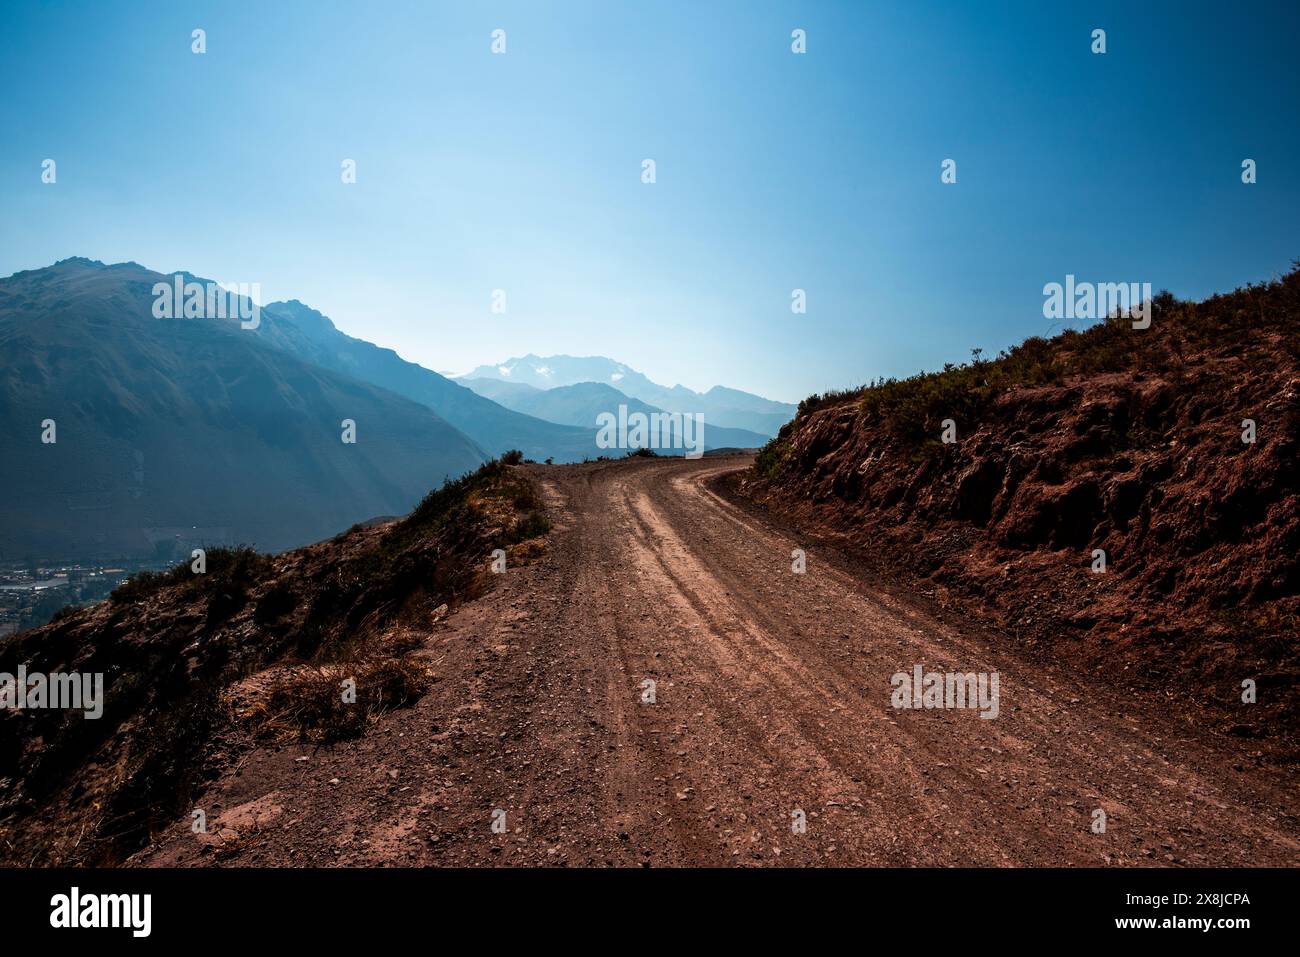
(198, 665)
(1113, 439)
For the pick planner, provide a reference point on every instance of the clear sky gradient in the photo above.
(775, 171)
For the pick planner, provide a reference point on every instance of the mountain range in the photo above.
(168, 433)
(582, 402)
(722, 407)
(308, 335)
(172, 433)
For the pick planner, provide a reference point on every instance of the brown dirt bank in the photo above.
(1114, 439)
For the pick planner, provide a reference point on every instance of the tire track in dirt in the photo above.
(1078, 741)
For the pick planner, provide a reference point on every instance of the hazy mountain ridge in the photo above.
(581, 403)
(306, 333)
(176, 432)
(722, 407)
(173, 431)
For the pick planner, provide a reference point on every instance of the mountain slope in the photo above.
(307, 334)
(510, 394)
(1113, 440)
(171, 432)
(571, 404)
(198, 669)
(723, 407)
(580, 404)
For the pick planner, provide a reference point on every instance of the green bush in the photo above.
(770, 458)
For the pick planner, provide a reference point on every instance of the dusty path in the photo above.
(772, 694)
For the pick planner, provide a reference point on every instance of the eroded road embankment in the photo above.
(771, 696)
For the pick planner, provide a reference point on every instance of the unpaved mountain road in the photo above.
(772, 694)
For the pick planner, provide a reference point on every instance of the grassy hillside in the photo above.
(197, 665)
(1114, 439)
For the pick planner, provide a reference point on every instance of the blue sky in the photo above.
(775, 171)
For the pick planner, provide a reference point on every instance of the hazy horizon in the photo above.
(448, 373)
(775, 171)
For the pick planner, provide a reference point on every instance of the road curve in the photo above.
(771, 706)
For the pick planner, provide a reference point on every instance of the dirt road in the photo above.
(771, 696)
